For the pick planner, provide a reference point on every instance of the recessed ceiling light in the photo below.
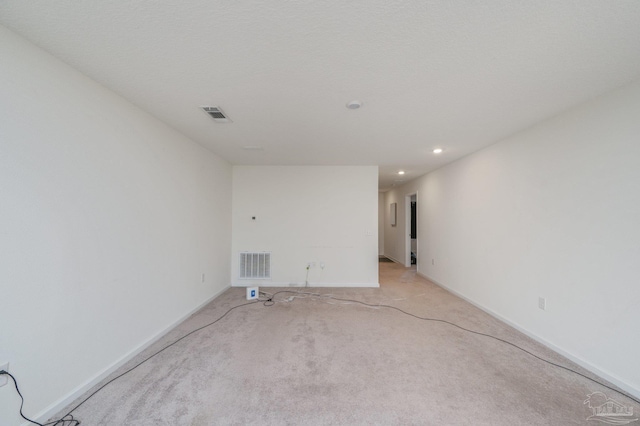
(354, 104)
(437, 150)
(401, 172)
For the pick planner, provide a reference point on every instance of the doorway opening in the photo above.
(411, 246)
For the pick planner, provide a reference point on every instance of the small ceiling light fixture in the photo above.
(401, 172)
(354, 104)
(437, 150)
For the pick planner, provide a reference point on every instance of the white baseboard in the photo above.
(394, 259)
(581, 362)
(311, 285)
(54, 408)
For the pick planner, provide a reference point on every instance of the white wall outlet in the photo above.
(311, 264)
(542, 303)
(253, 293)
(4, 379)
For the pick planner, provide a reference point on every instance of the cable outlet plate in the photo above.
(4, 378)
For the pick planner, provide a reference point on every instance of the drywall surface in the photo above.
(381, 217)
(322, 214)
(551, 212)
(108, 220)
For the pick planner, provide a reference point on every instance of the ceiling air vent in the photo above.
(216, 113)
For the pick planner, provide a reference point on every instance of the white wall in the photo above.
(324, 214)
(553, 211)
(381, 219)
(108, 218)
(395, 237)
(393, 248)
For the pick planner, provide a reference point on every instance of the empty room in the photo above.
(319, 213)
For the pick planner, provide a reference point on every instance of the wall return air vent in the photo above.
(255, 266)
(217, 114)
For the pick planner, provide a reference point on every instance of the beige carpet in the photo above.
(313, 361)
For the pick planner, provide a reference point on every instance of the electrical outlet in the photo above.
(542, 303)
(311, 264)
(203, 277)
(4, 378)
(321, 265)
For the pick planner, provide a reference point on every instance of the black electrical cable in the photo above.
(154, 354)
(68, 419)
(15, 382)
(455, 325)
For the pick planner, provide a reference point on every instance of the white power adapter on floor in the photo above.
(253, 293)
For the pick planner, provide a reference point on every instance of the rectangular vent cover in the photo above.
(216, 113)
(255, 265)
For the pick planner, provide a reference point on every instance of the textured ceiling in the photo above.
(453, 74)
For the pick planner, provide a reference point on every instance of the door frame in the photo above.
(407, 233)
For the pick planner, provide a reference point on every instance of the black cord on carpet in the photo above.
(454, 325)
(69, 420)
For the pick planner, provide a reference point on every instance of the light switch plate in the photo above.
(542, 303)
